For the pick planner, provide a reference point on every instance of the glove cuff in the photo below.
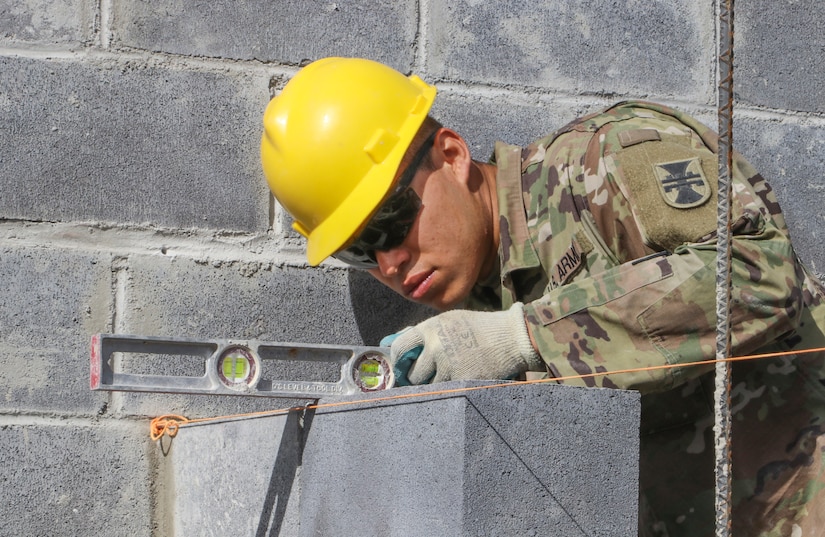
(522, 339)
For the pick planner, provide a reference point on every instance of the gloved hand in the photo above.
(464, 345)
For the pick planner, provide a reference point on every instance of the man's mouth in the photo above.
(417, 286)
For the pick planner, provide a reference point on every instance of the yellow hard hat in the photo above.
(333, 140)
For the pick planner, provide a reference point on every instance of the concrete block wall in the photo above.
(131, 198)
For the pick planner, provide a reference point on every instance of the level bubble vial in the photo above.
(372, 371)
(237, 367)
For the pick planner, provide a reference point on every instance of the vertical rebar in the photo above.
(722, 404)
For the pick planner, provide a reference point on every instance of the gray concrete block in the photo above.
(180, 297)
(516, 460)
(580, 47)
(236, 478)
(63, 478)
(483, 120)
(779, 61)
(291, 31)
(132, 143)
(47, 21)
(52, 301)
(791, 156)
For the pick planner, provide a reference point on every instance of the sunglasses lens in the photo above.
(387, 229)
(356, 258)
(391, 224)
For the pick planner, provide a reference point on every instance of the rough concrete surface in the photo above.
(515, 460)
(74, 477)
(237, 478)
(294, 31)
(131, 142)
(51, 301)
(590, 47)
(47, 21)
(779, 55)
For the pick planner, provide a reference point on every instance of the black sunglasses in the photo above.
(391, 223)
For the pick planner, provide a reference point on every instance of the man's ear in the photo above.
(452, 151)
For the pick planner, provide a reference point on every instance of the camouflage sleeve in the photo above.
(661, 310)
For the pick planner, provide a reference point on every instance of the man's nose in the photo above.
(391, 261)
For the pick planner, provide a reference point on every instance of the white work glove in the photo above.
(464, 345)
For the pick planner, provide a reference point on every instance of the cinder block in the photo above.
(290, 31)
(132, 143)
(649, 48)
(181, 297)
(778, 54)
(52, 301)
(237, 478)
(483, 120)
(47, 21)
(516, 460)
(791, 156)
(70, 478)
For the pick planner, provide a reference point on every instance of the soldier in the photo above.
(591, 250)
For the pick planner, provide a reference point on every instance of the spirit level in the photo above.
(237, 367)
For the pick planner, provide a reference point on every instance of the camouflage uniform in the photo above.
(608, 237)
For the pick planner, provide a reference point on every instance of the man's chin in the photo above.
(443, 303)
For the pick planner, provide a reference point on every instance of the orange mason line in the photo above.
(169, 424)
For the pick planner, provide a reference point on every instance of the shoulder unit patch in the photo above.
(682, 183)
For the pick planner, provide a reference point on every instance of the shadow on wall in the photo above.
(378, 310)
(284, 471)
